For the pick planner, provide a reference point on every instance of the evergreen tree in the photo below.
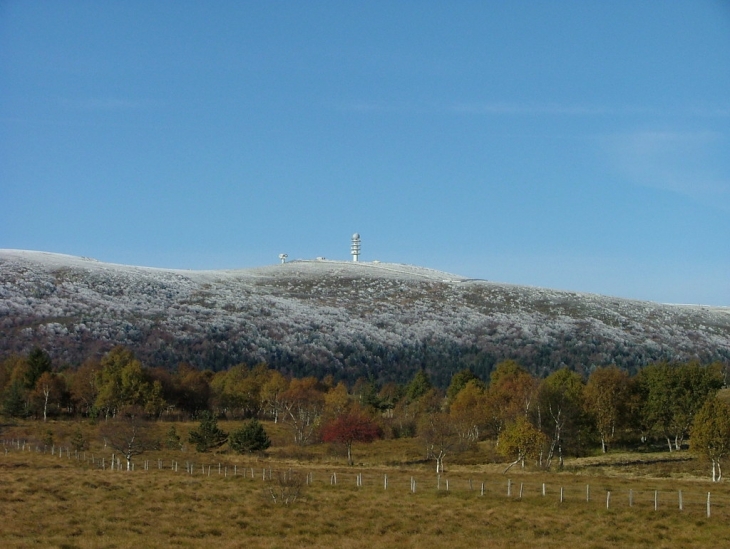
(208, 436)
(38, 363)
(78, 441)
(14, 404)
(419, 386)
(459, 381)
(250, 438)
(172, 439)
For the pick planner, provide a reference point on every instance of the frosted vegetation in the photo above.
(320, 317)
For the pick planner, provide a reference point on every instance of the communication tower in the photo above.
(355, 248)
(283, 258)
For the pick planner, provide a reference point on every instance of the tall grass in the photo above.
(52, 501)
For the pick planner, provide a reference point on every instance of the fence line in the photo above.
(679, 499)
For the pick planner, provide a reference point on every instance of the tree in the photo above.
(250, 438)
(419, 386)
(337, 401)
(511, 393)
(14, 404)
(468, 410)
(271, 393)
(208, 436)
(674, 394)
(710, 435)
(83, 386)
(352, 426)
(172, 439)
(561, 412)
(49, 389)
(303, 403)
(38, 363)
(129, 434)
(606, 396)
(440, 435)
(78, 441)
(459, 380)
(521, 439)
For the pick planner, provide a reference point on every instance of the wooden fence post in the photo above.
(608, 499)
(708, 504)
(509, 487)
(588, 493)
(656, 499)
(561, 495)
(680, 501)
(482, 488)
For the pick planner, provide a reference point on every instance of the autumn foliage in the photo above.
(352, 426)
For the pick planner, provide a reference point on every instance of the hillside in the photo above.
(348, 319)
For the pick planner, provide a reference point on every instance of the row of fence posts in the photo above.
(116, 463)
(608, 496)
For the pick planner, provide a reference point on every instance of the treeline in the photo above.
(527, 417)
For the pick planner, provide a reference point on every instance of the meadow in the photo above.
(75, 500)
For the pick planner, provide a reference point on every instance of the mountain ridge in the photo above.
(314, 317)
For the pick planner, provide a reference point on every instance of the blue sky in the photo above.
(573, 145)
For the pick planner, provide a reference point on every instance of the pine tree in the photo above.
(14, 402)
(208, 436)
(172, 439)
(250, 438)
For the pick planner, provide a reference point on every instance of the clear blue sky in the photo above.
(573, 145)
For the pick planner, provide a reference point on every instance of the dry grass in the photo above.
(47, 501)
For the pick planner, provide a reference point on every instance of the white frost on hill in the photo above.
(326, 311)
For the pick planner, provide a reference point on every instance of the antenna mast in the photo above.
(355, 248)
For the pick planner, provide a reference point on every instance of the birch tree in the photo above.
(521, 440)
(440, 435)
(606, 396)
(129, 434)
(710, 435)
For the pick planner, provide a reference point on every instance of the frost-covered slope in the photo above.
(350, 319)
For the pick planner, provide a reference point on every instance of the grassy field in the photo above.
(69, 501)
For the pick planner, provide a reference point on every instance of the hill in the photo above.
(348, 319)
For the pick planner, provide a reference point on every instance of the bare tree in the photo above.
(129, 434)
(440, 435)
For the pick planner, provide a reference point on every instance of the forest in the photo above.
(532, 421)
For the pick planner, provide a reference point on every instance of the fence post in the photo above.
(656, 499)
(482, 488)
(438, 482)
(522, 484)
(588, 493)
(543, 489)
(708, 504)
(680, 501)
(509, 487)
(608, 499)
(561, 495)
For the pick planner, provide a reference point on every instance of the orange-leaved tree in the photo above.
(350, 427)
